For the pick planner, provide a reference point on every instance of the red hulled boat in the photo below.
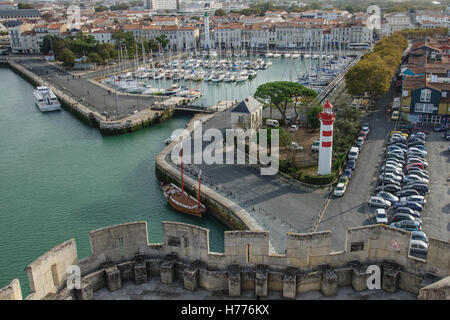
(180, 200)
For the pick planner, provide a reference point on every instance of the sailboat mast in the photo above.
(181, 166)
(199, 186)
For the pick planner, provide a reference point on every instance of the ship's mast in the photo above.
(181, 165)
(199, 185)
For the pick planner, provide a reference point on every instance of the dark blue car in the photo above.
(409, 204)
(442, 127)
(422, 188)
(348, 173)
(351, 164)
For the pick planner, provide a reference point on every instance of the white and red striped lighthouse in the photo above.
(326, 117)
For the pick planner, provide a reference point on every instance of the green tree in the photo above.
(312, 116)
(95, 57)
(220, 13)
(282, 93)
(67, 57)
(163, 40)
(25, 6)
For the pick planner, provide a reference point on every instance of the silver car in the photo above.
(379, 202)
(418, 246)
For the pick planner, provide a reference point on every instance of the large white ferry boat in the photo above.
(46, 100)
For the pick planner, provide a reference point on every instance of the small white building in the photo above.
(247, 114)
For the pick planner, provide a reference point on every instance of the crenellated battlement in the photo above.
(122, 252)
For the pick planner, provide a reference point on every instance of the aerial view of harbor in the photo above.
(211, 150)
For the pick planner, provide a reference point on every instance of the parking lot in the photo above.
(352, 209)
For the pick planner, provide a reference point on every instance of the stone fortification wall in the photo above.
(122, 253)
(48, 273)
(12, 291)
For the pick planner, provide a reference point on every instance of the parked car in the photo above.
(388, 196)
(418, 246)
(390, 175)
(439, 128)
(344, 180)
(414, 169)
(399, 158)
(393, 163)
(407, 225)
(393, 188)
(339, 190)
(415, 165)
(395, 115)
(351, 164)
(414, 178)
(414, 155)
(407, 192)
(417, 160)
(409, 204)
(348, 173)
(417, 150)
(392, 166)
(294, 146)
(379, 202)
(418, 147)
(399, 152)
(396, 147)
(447, 135)
(315, 146)
(419, 173)
(415, 144)
(394, 171)
(416, 129)
(408, 211)
(365, 127)
(381, 217)
(422, 188)
(415, 198)
(419, 235)
(360, 140)
(389, 181)
(353, 153)
(404, 216)
(293, 128)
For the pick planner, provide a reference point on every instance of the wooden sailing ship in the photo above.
(180, 200)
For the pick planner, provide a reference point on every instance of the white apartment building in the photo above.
(21, 37)
(103, 36)
(228, 36)
(143, 32)
(161, 5)
(181, 38)
(395, 22)
(355, 32)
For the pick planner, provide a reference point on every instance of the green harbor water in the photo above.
(60, 179)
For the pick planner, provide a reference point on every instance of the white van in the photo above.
(272, 123)
(353, 154)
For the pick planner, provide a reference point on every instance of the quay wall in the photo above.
(129, 124)
(123, 253)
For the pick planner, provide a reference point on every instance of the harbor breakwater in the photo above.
(91, 117)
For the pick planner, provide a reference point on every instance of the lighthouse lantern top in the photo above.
(327, 107)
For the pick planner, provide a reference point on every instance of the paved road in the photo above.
(96, 97)
(436, 214)
(351, 210)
